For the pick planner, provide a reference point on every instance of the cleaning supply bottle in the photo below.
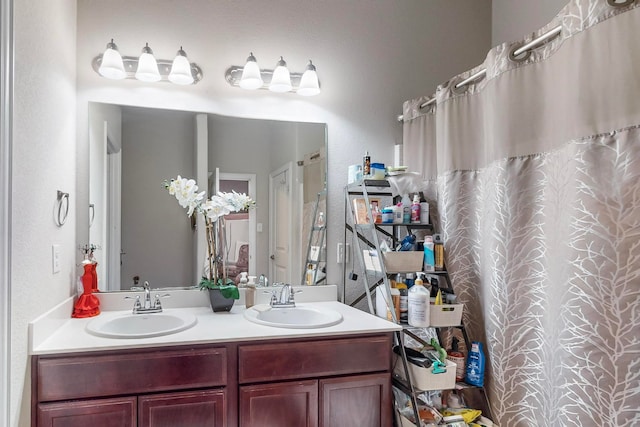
(415, 210)
(475, 365)
(418, 303)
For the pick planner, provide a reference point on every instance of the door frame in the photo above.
(6, 135)
(287, 167)
(251, 180)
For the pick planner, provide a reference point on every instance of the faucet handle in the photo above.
(137, 305)
(157, 304)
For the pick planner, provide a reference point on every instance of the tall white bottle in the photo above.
(419, 303)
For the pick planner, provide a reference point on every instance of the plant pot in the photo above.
(218, 302)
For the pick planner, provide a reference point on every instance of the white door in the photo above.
(280, 218)
(240, 227)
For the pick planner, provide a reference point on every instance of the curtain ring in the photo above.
(455, 89)
(614, 3)
(520, 58)
(92, 213)
(62, 200)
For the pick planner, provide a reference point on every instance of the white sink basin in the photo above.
(300, 317)
(118, 325)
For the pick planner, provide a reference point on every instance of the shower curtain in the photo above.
(535, 176)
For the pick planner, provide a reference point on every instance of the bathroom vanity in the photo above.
(250, 375)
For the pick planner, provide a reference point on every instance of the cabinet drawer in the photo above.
(119, 412)
(311, 359)
(76, 377)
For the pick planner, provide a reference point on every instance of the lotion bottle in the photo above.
(475, 365)
(418, 303)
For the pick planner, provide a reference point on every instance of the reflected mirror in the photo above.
(143, 234)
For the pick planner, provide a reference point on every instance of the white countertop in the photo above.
(56, 332)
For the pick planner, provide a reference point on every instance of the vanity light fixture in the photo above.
(111, 66)
(251, 78)
(281, 80)
(147, 70)
(146, 67)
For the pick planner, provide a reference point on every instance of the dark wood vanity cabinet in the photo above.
(158, 387)
(322, 382)
(340, 382)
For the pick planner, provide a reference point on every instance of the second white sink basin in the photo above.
(118, 325)
(300, 317)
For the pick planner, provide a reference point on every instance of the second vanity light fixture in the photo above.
(145, 67)
(251, 77)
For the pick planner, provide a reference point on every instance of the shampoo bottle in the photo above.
(415, 210)
(418, 304)
(475, 365)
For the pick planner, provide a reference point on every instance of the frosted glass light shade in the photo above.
(181, 70)
(281, 80)
(111, 65)
(309, 85)
(251, 78)
(147, 66)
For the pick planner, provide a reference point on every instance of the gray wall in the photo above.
(511, 20)
(157, 145)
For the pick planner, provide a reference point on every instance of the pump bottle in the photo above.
(418, 303)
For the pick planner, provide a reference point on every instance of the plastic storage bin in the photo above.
(445, 315)
(403, 261)
(423, 379)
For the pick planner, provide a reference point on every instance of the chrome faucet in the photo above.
(140, 307)
(285, 297)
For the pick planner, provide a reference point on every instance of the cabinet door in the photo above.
(356, 401)
(193, 408)
(119, 412)
(286, 404)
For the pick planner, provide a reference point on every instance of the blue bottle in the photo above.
(475, 365)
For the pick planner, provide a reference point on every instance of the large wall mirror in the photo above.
(142, 234)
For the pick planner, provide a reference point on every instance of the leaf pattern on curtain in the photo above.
(544, 250)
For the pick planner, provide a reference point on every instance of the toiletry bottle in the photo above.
(406, 209)
(404, 303)
(250, 293)
(475, 365)
(243, 279)
(309, 278)
(408, 243)
(320, 221)
(366, 165)
(415, 210)
(429, 256)
(457, 357)
(438, 252)
(419, 304)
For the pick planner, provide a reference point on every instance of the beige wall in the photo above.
(44, 161)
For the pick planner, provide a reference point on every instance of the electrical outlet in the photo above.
(341, 254)
(55, 258)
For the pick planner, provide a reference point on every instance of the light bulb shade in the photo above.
(111, 65)
(181, 70)
(147, 66)
(309, 85)
(281, 80)
(251, 78)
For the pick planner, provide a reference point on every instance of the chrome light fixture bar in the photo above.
(179, 71)
(251, 77)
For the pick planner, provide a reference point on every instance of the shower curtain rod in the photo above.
(514, 55)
